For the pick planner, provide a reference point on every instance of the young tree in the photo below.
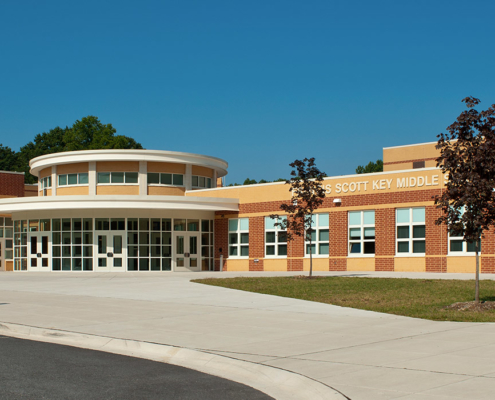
(307, 195)
(467, 156)
(371, 167)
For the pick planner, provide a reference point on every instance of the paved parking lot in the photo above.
(362, 354)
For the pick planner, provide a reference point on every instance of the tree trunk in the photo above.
(477, 280)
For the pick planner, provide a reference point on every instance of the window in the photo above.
(201, 182)
(73, 179)
(117, 178)
(72, 244)
(155, 178)
(362, 232)
(319, 236)
(239, 237)
(418, 164)
(7, 232)
(458, 246)
(46, 182)
(275, 238)
(410, 224)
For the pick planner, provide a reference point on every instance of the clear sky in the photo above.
(257, 83)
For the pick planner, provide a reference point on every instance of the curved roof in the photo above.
(71, 157)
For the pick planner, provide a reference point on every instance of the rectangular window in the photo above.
(118, 178)
(275, 238)
(458, 246)
(46, 182)
(239, 237)
(73, 179)
(201, 182)
(319, 236)
(155, 178)
(411, 229)
(361, 233)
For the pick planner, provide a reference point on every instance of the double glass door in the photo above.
(39, 253)
(186, 251)
(111, 251)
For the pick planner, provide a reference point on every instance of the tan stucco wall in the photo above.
(410, 264)
(73, 191)
(166, 191)
(45, 172)
(72, 168)
(166, 168)
(361, 264)
(117, 166)
(275, 265)
(237, 265)
(202, 171)
(413, 152)
(118, 189)
(461, 264)
(319, 264)
(30, 190)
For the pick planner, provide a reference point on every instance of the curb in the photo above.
(278, 383)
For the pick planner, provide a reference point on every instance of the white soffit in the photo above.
(117, 202)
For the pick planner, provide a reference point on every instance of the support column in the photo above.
(54, 180)
(143, 178)
(188, 177)
(92, 178)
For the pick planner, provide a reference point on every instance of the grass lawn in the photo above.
(419, 298)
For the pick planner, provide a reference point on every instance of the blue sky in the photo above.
(258, 83)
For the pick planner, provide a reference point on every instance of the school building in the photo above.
(146, 210)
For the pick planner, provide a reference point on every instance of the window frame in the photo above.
(207, 179)
(72, 184)
(315, 225)
(278, 231)
(239, 233)
(160, 184)
(464, 252)
(362, 240)
(125, 183)
(411, 224)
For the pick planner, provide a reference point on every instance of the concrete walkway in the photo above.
(362, 354)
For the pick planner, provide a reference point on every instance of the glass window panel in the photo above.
(179, 224)
(310, 249)
(76, 238)
(88, 224)
(418, 214)
(76, 251)
(144, 224)
(103, 177)
(34, 225)
(355, 248)
(419, 231)
(244, 251)
(202, 182)
(1, 232)
(102, 224)
(418, 246)
(403, 247)
(205, 225)
(471, 246)
(354, 233)
(178, 180)
(62, 180)
(144, 238)
(156, 251)
(233, 223)
(166, 251)
(232, 238)
(282, 249)
(323, 220)
(369, 233)
(402, 232)
(369, 247)
(65, 264)
(66, 238)
(131, 177)
(56, 251)
(195, 181)
(88, 251)
(102, 262)
(166, 225)
(87, 264)
(205, 238)
(8, 221)
(193, 225)
(132, 224)
(76, 224)
(76, 264)
(155, 264)
(132, 264)
(87, 238)
(456, 245)
(355, 218)
(166, 264)
(153, 178)
(270, 250)
(45, 225)
(166, 179)
(144, 264)
(244, 238)
(232, 250)
(56, 264)
(9, 232)
(66, 224)
(72, 179)
(269, 223)
(156, 224)
(282, 236)
(369, 217)
(324, 248)
(403, 215)
(117, 224)
(56, 237)
(166, 238)
(270, 237)
(56, 225)
(117, 244)
(311, 235)
(244, 224)
(144, 251)
(132, 251)
(65, 251)
(117, 177)
(208, 182)
(323, 235)
(83, 179)
(155, 238)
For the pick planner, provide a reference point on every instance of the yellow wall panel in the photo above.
(237, 265)
(461, 264)
(275, 265)
(9, 265)
(319, 264)
(361, 264)
(117, 190)
(202, 171)
(410, 264)
(45, 172)
(117, 166)
(166, 168)
(166, 191)
(414, 152)
(72, 168)
(73, 191)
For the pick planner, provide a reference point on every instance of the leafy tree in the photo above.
(250, 182)
(263, 181)
(371, 167)
(87, 134)
(8, 159)
(280, 180)
(307, 195)
(467, 156)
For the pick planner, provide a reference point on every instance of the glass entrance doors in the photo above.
(186, 251)
(110, 251)
(39, 253)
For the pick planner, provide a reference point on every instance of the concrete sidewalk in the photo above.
(362, 354)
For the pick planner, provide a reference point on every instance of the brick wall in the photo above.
(221, 229)
(11, 184)
(488, 248)
(256, 243)
(436, 241)
(385, 239)
(338, 241)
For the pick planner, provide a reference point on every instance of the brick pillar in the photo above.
(295, 248)
(384, 239)
(338, 241)
(436, 241)
(221, 242)
(256, 243)
(488, 249)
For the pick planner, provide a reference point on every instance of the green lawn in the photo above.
(419, 298)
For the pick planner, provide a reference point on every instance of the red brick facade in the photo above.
(11, 184)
